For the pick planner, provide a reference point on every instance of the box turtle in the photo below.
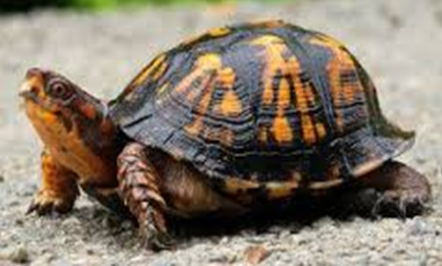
(222, 123)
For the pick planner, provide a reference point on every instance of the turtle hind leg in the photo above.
(139, 186)
(394, 190)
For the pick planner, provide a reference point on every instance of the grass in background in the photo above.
(95, 5)
(114, 4)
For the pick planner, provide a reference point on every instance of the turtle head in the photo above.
(70, 121)
(52, 99)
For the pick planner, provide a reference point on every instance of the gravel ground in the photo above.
(399, 42)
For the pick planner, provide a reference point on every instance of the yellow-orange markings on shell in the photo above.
(230, 103)
(343, 92)
(278, 190)
(156, 68)
(156, 64)
(205, 63)
(235, 186)
(163, 88)
(276, 64)
(205, 66)
(320, 130)
(274, 48)
(281, 129)
(226, 77)
(263, 134)
(208, 68)
(281, 124)
(224, 136)
(304, 99)
(213, 33)
(159, 72)
(267, 23)
(219, 31)
(209, 60)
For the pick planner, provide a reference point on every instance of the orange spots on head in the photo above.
(281, 129)
(230, 104)
(107, 127)
(88, 110)
(69, 147)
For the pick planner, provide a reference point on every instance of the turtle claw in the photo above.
(157, 241)
(401, 204)
(46, 203)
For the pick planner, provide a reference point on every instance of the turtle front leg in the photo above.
(395, 189)
(59, 188)
(139, 187)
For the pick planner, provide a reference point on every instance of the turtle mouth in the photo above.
(32, 90)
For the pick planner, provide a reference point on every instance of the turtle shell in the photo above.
(265, 104)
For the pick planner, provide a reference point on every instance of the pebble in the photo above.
(419, 227)
(18, 255)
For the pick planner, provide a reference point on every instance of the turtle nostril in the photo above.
(31, 86)
(33, 90)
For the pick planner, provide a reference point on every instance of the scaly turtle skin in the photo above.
(220, 124)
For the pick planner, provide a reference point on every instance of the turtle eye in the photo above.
(59, 90)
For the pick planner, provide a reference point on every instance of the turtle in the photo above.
(241, 117)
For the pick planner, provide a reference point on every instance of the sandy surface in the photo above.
(399, 42)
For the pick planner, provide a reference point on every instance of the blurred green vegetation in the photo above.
(111, 4)
(26, 5)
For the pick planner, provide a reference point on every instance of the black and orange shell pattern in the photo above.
(257, 106)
